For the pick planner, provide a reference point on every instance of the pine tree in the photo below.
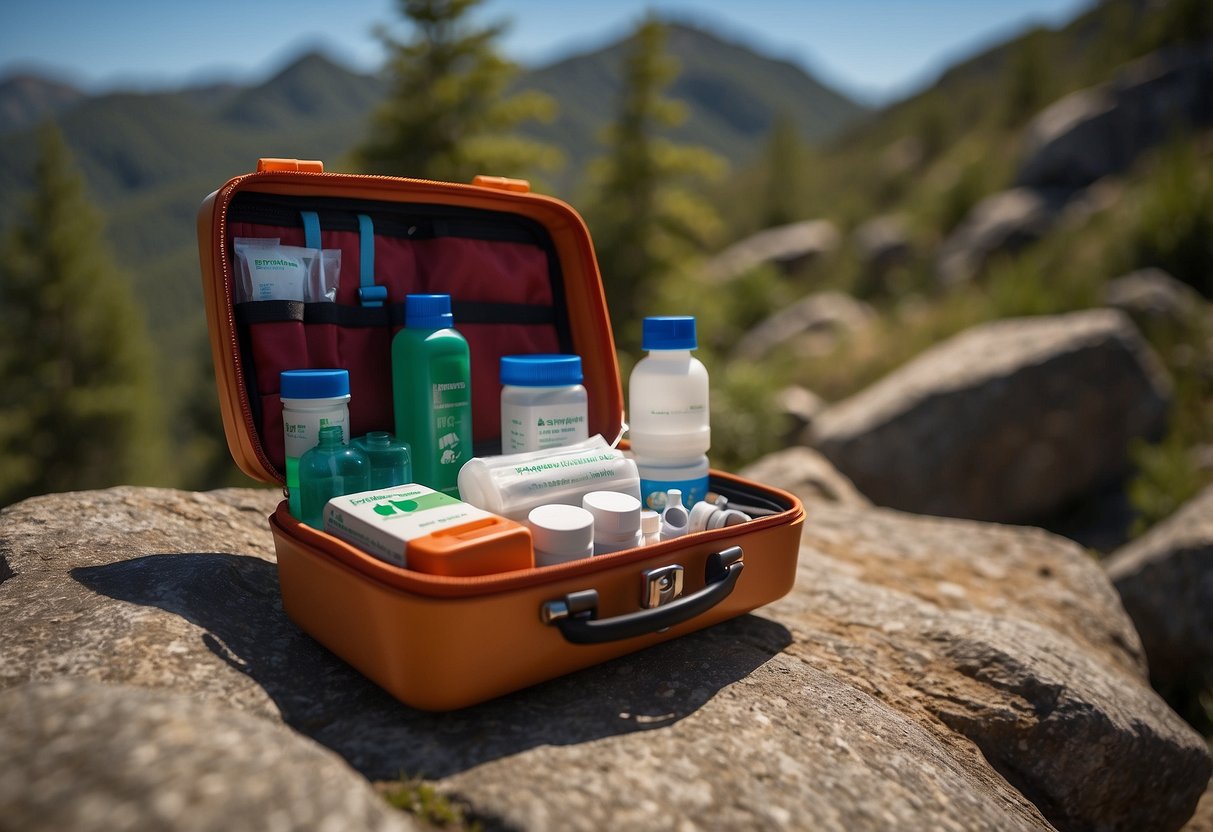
(448, 116)
(647, 218)
(78, 406)
(785, 172)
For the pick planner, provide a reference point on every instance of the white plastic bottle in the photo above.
(543, 404)
(668, 413)
(311, 400)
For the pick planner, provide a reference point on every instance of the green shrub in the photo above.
(1174, 224)
(423, 801)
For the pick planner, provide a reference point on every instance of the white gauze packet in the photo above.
(270, 271)
(513, 484)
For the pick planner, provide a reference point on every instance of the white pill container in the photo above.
(616, 520)
(561, 533)
(543, 404)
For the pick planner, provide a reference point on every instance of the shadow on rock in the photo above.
(235, 601)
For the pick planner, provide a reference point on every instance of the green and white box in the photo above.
(382, 522)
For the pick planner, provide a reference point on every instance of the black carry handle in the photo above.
(576, 614)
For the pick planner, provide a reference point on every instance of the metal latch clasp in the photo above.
(660, 585)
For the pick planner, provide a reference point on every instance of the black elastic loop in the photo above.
(268, 311)
(482, 312)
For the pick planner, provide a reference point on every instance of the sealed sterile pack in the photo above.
(454, 608)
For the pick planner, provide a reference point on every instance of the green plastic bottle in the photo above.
(432, 392)
(330, 470)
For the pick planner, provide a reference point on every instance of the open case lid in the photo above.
(482, 218)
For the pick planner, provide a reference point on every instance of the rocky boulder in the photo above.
(1153, 298)
(812, 326)
(799, 406)
(1100, 131)
(807, 474)
(1009, 421)
(924, 673)
(1003, 222)
(82, 755)
(1165, 579)
(882, 242)
(786, 247)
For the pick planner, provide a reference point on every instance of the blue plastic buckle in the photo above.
(369, 294)
(372, 295)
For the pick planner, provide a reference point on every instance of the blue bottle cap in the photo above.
(541, 370)
(428, 311)
(314, 384)
(669, 332)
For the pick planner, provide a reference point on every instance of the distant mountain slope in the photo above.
(25, 100)
(733, 96)
(149, 158)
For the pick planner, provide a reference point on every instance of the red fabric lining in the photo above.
(468, 270)
(485, 270)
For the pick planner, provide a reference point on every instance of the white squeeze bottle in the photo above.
(668, 413)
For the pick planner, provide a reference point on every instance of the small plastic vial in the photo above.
(675, 519)
(650, 526)
(616, 520)
(543, 404)
(561, 533)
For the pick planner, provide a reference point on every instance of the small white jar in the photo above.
(561, 533)
(616, 520)
(543, 404)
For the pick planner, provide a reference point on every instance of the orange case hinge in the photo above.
(502, 183)
(311, 165)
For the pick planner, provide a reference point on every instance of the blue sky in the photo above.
(876, 50)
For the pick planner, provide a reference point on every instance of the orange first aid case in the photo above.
(521, 272)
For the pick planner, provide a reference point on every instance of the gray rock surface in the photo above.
(924, 673)
(786, 246)
(1165, 579)
(812, 325)
(113, 758)
(1151, 297)
(882, 242)
(1002, 222)
(1202, 819)
(807, 474)
(800, 406)
(1099, 131)
(1008, 421)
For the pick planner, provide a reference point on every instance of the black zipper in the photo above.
(415, 221)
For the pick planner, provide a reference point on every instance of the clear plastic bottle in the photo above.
(331, 469)
(390, 459)
(668, 413)
(543, 404)
(432, 392)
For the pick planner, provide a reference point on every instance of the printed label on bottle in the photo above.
(535, 429)
(301, 433)
(689, 409)
(451, 405)
(301, 429)
(652, 492)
